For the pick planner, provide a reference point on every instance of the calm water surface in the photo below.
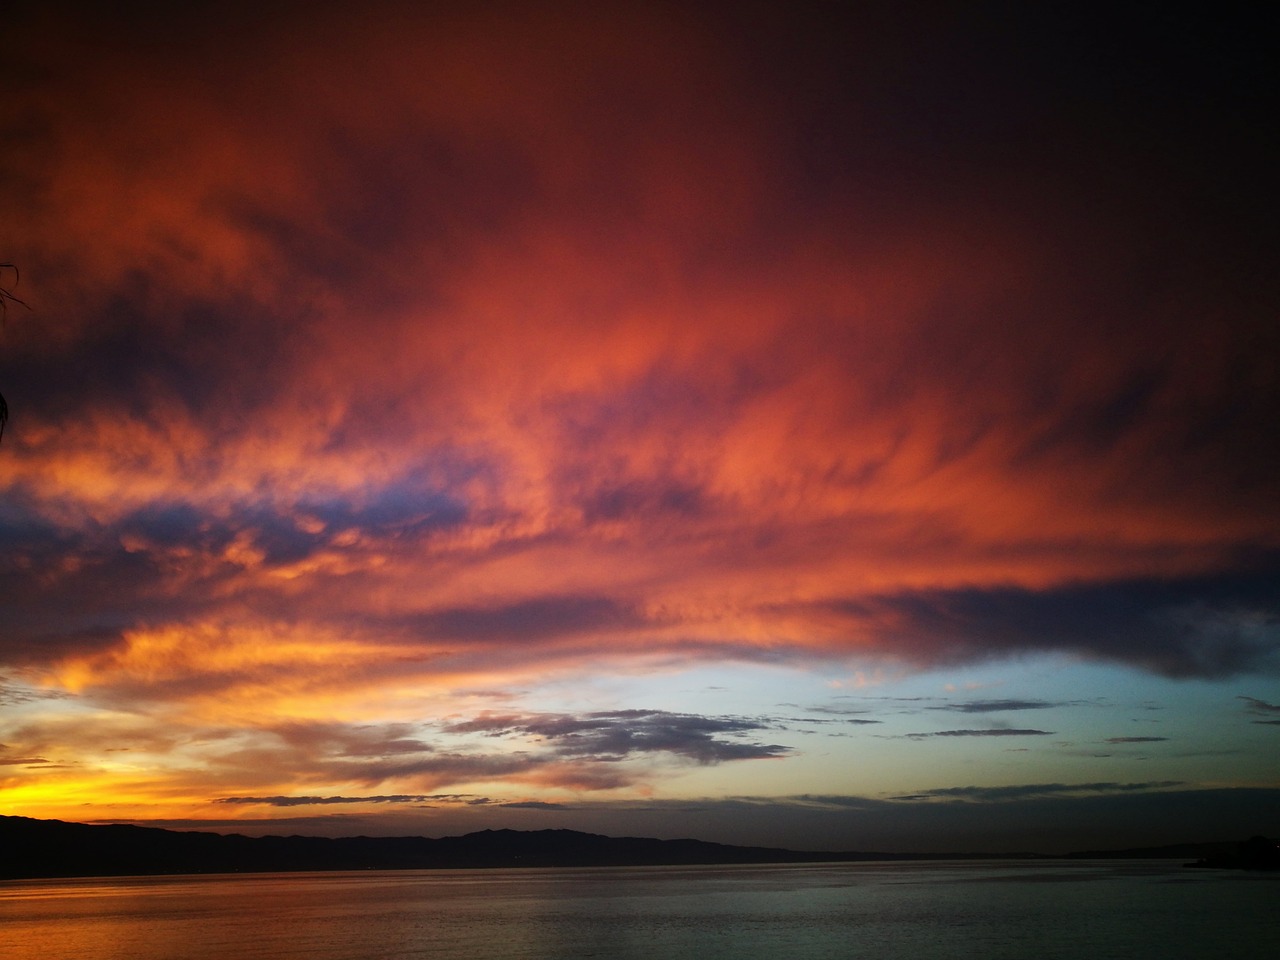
(886, 911)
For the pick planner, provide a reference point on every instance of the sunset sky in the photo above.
(772, 423)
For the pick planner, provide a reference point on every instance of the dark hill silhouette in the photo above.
(1256, 853)
(53, 848)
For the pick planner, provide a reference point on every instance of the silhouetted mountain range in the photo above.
(52, 848)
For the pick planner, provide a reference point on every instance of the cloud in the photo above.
(841, 712)
(375, 360)
(850, 721)
(532, 805)
(1254, 705)
(616, 735)
(325, 801)
(996, 706)
(349, 740)
(1212, 626)
(531, 619)
(996, 732)
(431, 769)
(12, 695)
(1022, 791)
(561, 364)
(851, 716)
(1135, 739)
(1262, 710)
(332, 762)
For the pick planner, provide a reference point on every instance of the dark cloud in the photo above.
(12, 695)
(1213, 626)
(325, 801)
(411, 505)
(533, 805)
(997, 732)
(635, 499)
(434, 769)
(850, 721)
(836, 711)
(66, 592)
(1022, 791)
(996, 706)
(545, 617)
(370, 754)
(322, 753)
(581, 753)
(618, 734)
(852, 716)
(62, 596)
(1261, 709)
(1135, 739)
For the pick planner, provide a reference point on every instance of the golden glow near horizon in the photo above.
(465, 419)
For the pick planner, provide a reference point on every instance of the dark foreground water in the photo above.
(886, 911)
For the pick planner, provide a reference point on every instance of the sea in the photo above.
(1028, 910)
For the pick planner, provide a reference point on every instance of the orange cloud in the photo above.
(438, 350)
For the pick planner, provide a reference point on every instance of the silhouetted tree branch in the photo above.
(6, 297)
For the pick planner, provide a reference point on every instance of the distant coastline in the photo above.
(34, 849)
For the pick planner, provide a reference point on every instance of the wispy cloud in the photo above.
(326, 801)
(995, 732)
(1254, 705)
(1264, 711)
(847, 721)
(533, 805)
(996, 706)
(13, 694)
(1030, 790)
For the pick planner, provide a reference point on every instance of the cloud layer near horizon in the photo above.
(457, 350)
